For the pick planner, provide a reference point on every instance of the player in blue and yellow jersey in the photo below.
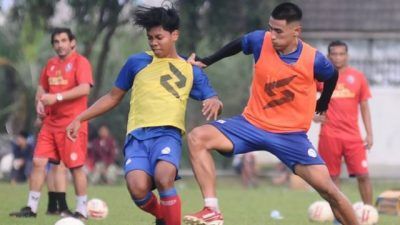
(278, 114)
(161, 83)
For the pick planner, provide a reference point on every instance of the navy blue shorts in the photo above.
(291, 148)
(144, 154)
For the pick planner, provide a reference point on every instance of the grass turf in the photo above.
(240, 206)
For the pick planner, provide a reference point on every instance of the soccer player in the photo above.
(277, 116)
(161, 83)
(340, 135)
(62, 94)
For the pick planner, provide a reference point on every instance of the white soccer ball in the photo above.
(367, 215)
(97, 209)
(320, 211)
(358, 206)
(69, 221)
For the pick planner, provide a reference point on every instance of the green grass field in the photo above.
(240, 206)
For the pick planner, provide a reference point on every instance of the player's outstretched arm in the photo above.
(232, 48)
(212, 107)
(102, 105)
(329, 87)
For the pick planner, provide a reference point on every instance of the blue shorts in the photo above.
(291, 148)
(144, 154)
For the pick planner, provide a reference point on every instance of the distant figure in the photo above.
(23, 154)
(245, 165)
(340, 136)
(102, 154)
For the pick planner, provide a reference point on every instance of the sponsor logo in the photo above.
(220, 121)
(74, 156)
(166, 150)
(68, 67)
(312, 153)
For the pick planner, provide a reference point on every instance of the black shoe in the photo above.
(160, 222)
(66, 213)
(78, 215)
(24, 212)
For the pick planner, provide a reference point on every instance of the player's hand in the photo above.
(212, 107)
(192, 60)
(40, 109)
(73, 129)
(368, 142)
(320, 118)
(48, 99)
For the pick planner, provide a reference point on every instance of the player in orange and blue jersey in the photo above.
(277, 116)
(161, 83)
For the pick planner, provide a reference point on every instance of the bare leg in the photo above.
(38, 174)
(201, 141)
(365, 187)
(318, 177)
(80, 181)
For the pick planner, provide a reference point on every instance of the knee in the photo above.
(197, 138)
(363, 178)
(165, 183)
(39, 163)
(138, 190)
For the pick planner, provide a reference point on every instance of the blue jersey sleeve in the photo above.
(323, 68)
(252, 43)
(132, 66)
(201, 88)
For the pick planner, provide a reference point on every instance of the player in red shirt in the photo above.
(340, 134)
(62, 94)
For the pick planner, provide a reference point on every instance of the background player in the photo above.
(277, 116)
(62, 94)
(161, 83)
(340, 134)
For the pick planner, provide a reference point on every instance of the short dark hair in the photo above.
(59, 30)
(337, 43)
(287, 11)
(24, 134)
(149, 17)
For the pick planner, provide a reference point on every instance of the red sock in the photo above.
(171, 210)
(152, 207)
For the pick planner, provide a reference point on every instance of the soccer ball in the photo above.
(320, 211)
(69, 221)
(367, 215)
(97, 209)
(358, 206)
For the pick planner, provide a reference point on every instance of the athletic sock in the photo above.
(150, 205)
(212, 203)
(171, 207)
(81, 204)
(33, 200)
(62, 201)
(52, 204)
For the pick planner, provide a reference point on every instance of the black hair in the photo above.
(149, 17)
(23, 134)
(287, 11)
(60, 30)
(337, 43)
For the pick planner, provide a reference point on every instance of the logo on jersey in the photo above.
(364, 164)
(286, 95)
(57, 79)
(52, 68)
(166, 151)
(128, 162)
(68, 67)
(73, 156)
(165, 81)
(312, 153)
(220, 121)
(350, 79)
